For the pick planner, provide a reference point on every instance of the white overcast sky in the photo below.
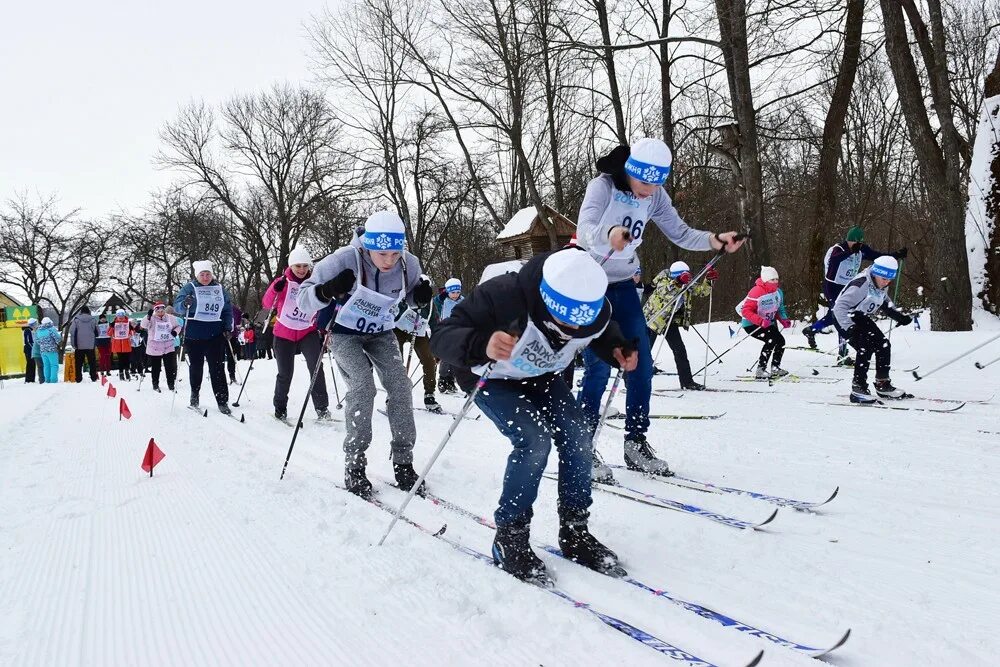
(86, 86)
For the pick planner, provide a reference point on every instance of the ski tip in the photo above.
(841, 642)
(832, 496)
(756, 660)
(767, 520)
(916, 376)
(979, 366)
(815, 372)
(205, 413)
(243, 418)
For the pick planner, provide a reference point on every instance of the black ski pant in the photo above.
(676, 344)
(774, 343)
(869, 341)
(285, 350)
(91, 357)
(122, 361)
(211, 350)
(29, 366)
(422, 346)
(169, 363)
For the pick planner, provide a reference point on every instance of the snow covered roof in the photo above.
(519, 224)
(494, 270)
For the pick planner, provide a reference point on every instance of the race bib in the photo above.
(210, 303)
(121, 330)
(290, 315)
(367, 312)
(162, 332)
(412, 323)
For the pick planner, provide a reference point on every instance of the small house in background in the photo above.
(114, 302)
(525, 235)
(7, 301)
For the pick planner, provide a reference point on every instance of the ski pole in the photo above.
(444, 441)
(305, 402)
(246, 377)
(420, 376)
(727, 350)
(333, 374)
(982, 366)
(917, 376)
(708, 333)
(229, 352)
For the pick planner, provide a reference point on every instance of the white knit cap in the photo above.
(202, 265)
(384, 231)
(768, 273)
(299, 255)
(453, 285)
(649, 161)
(46, 320)
(31, 321)
(886, 267)
(573, 286)
(677, 268)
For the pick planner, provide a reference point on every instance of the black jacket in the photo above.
(505, 303)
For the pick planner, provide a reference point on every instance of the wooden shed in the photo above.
(525, 235)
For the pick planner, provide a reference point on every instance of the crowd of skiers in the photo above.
(510, 344)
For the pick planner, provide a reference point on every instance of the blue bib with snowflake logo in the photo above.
(534, 356)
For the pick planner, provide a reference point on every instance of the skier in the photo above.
(121, 346)
(103, 344)
(83, 337)
(363, 283)
(619, 202)
(762, 310)
(861, 298)
(29, 344)
(161, 329)
(840, 265)
(413, 326)
(659, 306)
(47, 339)
(250, 338)
(295, 332)
(520, 331)
(445, 303)
(137, 358)
(206, 306)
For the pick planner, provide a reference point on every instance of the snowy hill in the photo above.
(214, 561)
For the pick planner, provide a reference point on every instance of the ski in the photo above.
(198, 410)
(622, 417)
(443, 413)
(704, 612)
(805, 348)
(653, 500)
(881, 404)
(663, 392)
(786, 378)
(624, 627)
(706, 487)
(986, 401)
(241, 419)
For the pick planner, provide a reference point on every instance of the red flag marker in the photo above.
(112, 392)
(104, 380)
(123, 410)
(152, 457)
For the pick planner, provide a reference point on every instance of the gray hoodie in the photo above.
(83, 332)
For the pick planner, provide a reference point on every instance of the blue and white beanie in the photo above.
(453, 285)
(649, 161)
(573, 287)
(885, 267)
(384, 232)
(678, 268)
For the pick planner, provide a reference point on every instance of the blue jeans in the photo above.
(533, 416)
(627, 312)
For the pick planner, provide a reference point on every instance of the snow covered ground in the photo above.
(215, 561)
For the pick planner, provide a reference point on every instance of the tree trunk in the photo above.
(609, 64)
(666, 103)
(940, 166)
(833, 132)
(732, 16)
(990, 293)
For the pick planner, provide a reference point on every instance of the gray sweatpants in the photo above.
(356, 354)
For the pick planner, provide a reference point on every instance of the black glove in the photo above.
(188, 301)
(337, 286)
(901, 253)
(903, 319)
(279, 284)
(149, 313)
(227, 334)
(422, 293)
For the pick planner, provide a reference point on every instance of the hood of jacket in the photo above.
(768, 287)
(613, 164)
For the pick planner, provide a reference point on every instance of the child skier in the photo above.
(47, 339)
(161, 329)
(365, 283)
(762, 310)
(659, 306)
(137, 358)
(208, 312)
(413, 326)
(121, 344)
(619, 202)
(295, 332)
(444, 304)
(863, 297)
(520, 331)
(103, 344)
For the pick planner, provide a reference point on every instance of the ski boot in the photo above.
(513, 554)
(658, 371)
(357, 482)
(194, 399)
(640, 456)
(406, 477)
(224, 408)
(777, 371)
(579, 546)
(447, 387)
(431, 404)
(884, 388)
(810, 336)
(861, 394)
(691, 385)
(281, 415)
(762, 373)
(324, 415)
(600, 472)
